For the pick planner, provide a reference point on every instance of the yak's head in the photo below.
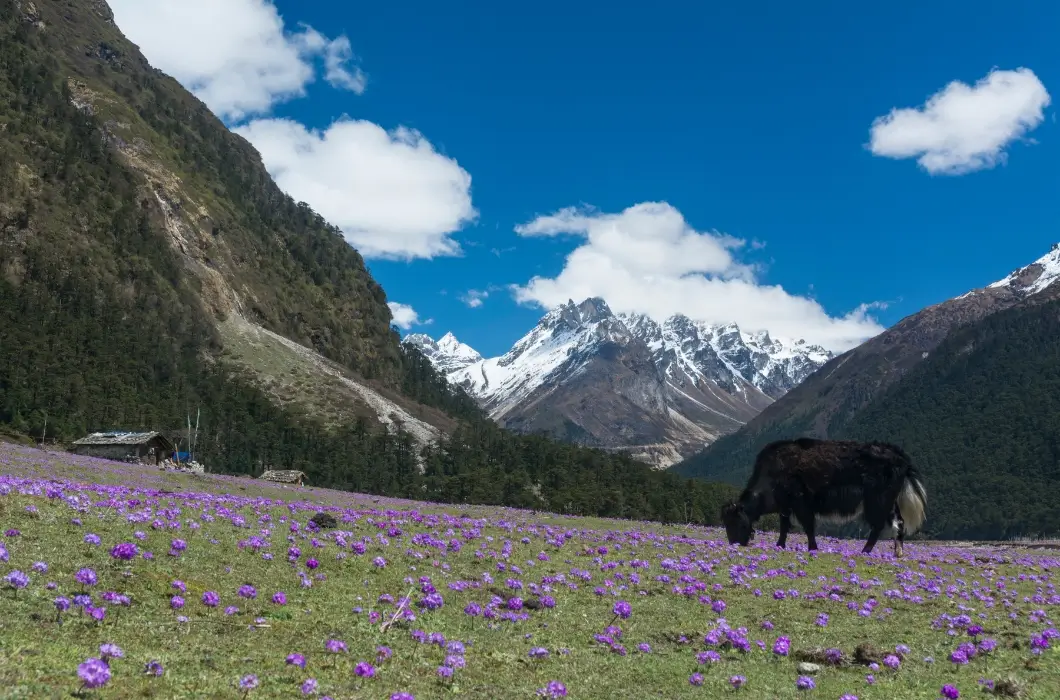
(738, 526)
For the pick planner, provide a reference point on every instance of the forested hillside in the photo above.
(133, 226)
(981, 417)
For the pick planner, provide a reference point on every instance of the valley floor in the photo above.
(220, 587)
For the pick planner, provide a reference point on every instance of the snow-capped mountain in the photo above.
(626, 382)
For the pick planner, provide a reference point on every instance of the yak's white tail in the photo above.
(912, 502)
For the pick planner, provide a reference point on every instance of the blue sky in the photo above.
(688, 127)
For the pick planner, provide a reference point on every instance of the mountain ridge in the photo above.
(832, 397)
(625, 381)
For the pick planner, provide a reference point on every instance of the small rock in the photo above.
(324, 520)
(866, 654)
(809, 669)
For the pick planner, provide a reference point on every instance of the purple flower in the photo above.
(176, 602)
(335, 646)
(86, 577)
(248, 682)
(40, 567)
(153, 668)
(296, 659)
(93, 673)
(124, 551)
(444, 672)
(311, 563)
(90, 538)
(538, 653)
(782, 646)
(891, 661)
(17, 579)
(696, 679)
(279, 597)
(210, 599)
(950, 692)
(805, 683)
(622, 609)
(644, 648)
(110, 651)
(401, 695)
(247, 591)
(554, 689)
(473, 609)
(309, 686)
(737, 681)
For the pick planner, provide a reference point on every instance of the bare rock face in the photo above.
(625, 382)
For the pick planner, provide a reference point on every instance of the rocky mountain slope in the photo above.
(848, 385)
(625, 382)
(171, 212)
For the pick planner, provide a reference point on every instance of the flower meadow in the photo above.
(134, 585)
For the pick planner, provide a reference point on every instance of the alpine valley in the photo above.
(624, 382)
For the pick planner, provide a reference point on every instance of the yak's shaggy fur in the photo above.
(837, 480)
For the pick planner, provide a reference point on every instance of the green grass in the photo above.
(206, 655)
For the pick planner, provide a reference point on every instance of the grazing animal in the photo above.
(838, 480)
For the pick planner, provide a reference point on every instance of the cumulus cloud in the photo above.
(963, 128)
(392, 194)
(647, 259)
(235, 55)
(404, 316)
(475, 297)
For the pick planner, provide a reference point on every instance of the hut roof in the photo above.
(286, 476)
(118, 437)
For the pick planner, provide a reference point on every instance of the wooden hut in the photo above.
(284, 476)
(147, 448)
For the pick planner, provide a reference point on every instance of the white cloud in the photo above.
(404, 316)
(475, 297)
(235, 55)
(391, 193)
(647, 259)
(962, 128)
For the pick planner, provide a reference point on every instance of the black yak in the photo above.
(838, 480)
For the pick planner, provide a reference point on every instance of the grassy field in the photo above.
(209, 583)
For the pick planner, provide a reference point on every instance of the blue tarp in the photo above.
(183, 456)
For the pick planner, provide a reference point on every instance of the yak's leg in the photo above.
(785, 525)
(806, 519)
(877, 514)
(874, 536)
(899, 531)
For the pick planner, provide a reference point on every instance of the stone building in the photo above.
(147, 448)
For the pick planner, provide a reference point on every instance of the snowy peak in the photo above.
(1035, 277)
(618, 377)
(447, 354)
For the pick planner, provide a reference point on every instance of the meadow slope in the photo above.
(151, 584)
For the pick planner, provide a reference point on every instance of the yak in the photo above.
(838, 480)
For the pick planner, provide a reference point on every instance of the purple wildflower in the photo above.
(93, 673)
